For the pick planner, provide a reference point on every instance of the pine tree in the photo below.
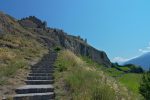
(145, 85)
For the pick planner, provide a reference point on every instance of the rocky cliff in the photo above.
(80, 46)
(51, 37)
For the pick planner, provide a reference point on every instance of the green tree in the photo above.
(145, 85)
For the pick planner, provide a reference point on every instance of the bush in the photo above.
(57, 49)
(12, 67)
(61, 68)
(129, 68)
(145, 86)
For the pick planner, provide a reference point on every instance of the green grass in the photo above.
(10, 69)
(125, 68)
(17, 55)
(132, 81)
(113, 72)
(129, 80)
(77, 81)
(86, 85)
(110, 71)
(79, 78)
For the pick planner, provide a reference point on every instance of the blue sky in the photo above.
(119, 27)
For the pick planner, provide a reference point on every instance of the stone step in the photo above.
(42, 68)
(40, 78)
(35, 96)
(48, 66)
(42, 71)
(34, 89)
(37, 69)
(45, 66)
(40, 74)
(39, 82)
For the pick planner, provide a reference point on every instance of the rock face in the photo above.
(57, 37)
(32, 22)
(51, 37)
(79, 46)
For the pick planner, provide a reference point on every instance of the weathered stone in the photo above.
(52, 37)
(79, 46)
(34, 89)
(39, 82)
(40, 77)
(35, 96)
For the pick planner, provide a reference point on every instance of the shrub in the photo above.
(57, 49)
(87, 85)
(12, 67)
(145, 86)
(80, 83)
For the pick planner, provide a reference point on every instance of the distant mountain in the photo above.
(143, 61)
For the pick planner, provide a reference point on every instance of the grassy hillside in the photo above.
(17, 52)
(127, 79)
(132, 81)
(79, 78)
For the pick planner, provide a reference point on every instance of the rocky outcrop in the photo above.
(55, 37)
(32, 22)
(79, 46)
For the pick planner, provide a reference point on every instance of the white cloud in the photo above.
(148, 47)
(145, 50)
(119, 59)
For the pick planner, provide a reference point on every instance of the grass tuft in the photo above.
(80, 82)
(15, 53)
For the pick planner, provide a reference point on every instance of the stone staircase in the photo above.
(39, 83)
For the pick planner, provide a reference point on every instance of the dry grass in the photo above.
(121, 91)
(77, 81)
(13, 82)
(83, 79)
(18, 49)
(6, 54)
(15, 62)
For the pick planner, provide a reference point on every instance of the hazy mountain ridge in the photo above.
(143, 61)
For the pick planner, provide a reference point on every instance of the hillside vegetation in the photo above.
(23, 42)
(19, 49)
(129, 76)
(82, 72)
(17, 55)
(79, 78)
